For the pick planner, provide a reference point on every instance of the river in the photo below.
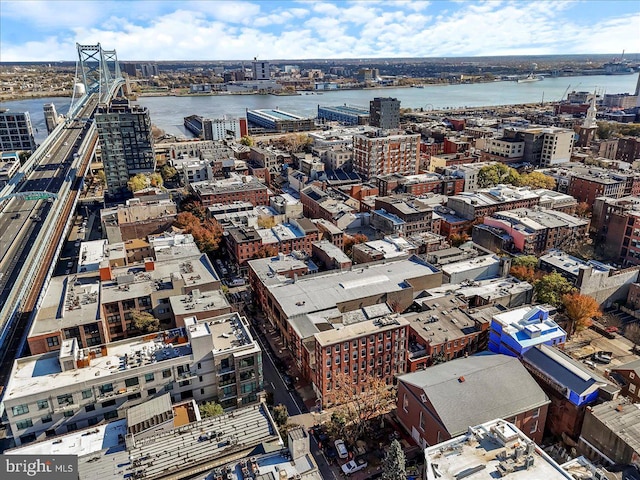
(167, 112)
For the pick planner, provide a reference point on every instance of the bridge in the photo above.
(36, 209)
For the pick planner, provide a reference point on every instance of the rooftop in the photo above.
(495, 449)
(529, 326)
(571, 265)
(487, 289)
(459, 404)
(470, 264)
(359, 329)
(623, 419)
(272, 114)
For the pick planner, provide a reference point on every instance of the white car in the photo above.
(341, 448)
(354, 466)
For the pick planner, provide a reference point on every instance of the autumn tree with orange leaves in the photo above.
(351, 240)
(580, 310)
(207, 234)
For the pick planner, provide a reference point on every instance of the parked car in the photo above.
(288, 381)
(589, 363)
(603, 357)
(612, 329)
(354, 466)
(341, 448)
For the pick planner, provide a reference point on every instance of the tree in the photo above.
(168, 173)
(457, 239)
(192, 204)
(266, 251)
(247, 140)
(550, 289)
(210, 409)
(537, 180)
(528, 261)
(493, 175)
(583, 209)
(357, 404)
(280, 415)
(351, 240)
(156, 180)
(266, 222)
(580, 310)
(632, 332)
(23, 156)
(145, 322)
(523, 273)
(101, 177)
(394, 463)
(138, 182)
(207, 235)
(604, 130)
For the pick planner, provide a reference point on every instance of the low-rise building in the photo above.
(62, 391)
(330, 256)
(232, 189)
(416, 216)
(570, 385)
(279, 121)
(474, 452)
(385, 249)
(138, 218)
(518, 330)
(331, 205)
(611, 433)
(476, 205)
(442, 401)
(628, 377)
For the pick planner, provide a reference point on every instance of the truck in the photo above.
(354, 466)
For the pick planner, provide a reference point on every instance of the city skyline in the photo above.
(229, 30)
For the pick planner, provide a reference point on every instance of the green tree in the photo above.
(210, 409)
(168, 173)
(101, 177)
(394, 463)
(138, 182)
(529, 261)
(493, 175)
(280, 415)
(247, 140)
(537, 180)
(550, 289)
(145, 322)
(604, 130)
(457, 239)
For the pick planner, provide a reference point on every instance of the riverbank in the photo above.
(9, 97)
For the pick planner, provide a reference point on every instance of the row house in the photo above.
(416, 216)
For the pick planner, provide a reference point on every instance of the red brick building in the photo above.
(229, 190)
(629, 376)
(442, 401)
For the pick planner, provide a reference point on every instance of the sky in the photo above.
(47, 30)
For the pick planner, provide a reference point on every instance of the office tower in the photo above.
(384, 113)
(16, 132)
(260, 70)
(126, 142)
(50, 117)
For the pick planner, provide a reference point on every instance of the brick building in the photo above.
(380, 155)
(229, 190)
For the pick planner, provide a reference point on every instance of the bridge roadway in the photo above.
(22, 221)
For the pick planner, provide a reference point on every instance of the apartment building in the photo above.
(628, 377)
(441, 162)
(533, 231)
(476, 205)
(138, 218)
(63, 391)
(416, 216)
(384, 113)
(380, 154)
(617, 223)
(331, 205)
(98, 307)
(421, 184)
(389, 247)
(16, 131)
(368, 348)
(442, 401)
(232, 189)
(505, 150)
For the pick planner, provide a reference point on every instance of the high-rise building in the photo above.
(384, 113)
(129, 69)
(126, 142)
(149, 70)
(16, 132)
(50, 117)
(382, 155)
(260, 70)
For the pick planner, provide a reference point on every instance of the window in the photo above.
(168, 387)
(328, 350)
(534, 427)
(21, 425)
(111, 414)
(90, 408)
(405, 403)
(632, 375)
(69, 413)
(66, 399)
(536, 414)
(166, 373)
(421, 421)
(46, 419)
(632, 388)
(108, 403)
(148, 377)
(43, 404)
(20, 409)
(134, 396)
(87, 393)
(130, 382)
(53, 342)
(151, 391)
(106, 388)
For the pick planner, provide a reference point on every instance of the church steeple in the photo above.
(590, 120)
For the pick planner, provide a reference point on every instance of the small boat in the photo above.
(529, 78)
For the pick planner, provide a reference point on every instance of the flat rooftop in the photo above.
(274, 115)
(314, 293)
(360, 329)
(571, 265)
(190, 304)
(471, 264)
(495, 449)
(350, 109)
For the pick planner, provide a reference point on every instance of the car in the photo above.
(589, 363)
(612, 329)
(288, 381)
(15, 216)
(341, 448)
(354, 466)
(66, 143)
(330, 452)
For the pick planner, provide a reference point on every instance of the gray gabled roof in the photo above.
(635, 366)
(494, 386)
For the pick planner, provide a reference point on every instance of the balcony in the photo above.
(224, 371)
(119, 392)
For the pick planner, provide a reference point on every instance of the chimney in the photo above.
(149, 265)
(105, 271)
